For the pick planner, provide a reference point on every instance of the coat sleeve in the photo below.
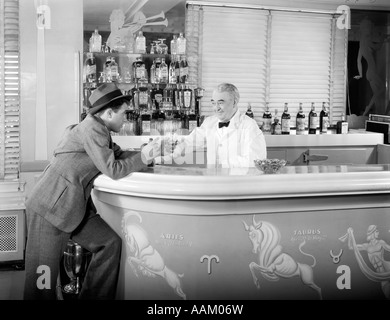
(112, 162)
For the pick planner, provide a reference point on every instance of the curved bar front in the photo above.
(206, 233)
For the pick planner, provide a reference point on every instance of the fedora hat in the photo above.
(103, 95)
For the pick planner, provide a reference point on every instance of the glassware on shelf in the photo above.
(174, 45)
(163, 48)
(152, 47)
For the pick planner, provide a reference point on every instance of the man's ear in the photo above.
(109, 113)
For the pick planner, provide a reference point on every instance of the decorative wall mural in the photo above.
(380, 271)
(125, 25)
(273, 262)
(368, 64)
(143, 257)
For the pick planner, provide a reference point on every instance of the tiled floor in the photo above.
(11, 284)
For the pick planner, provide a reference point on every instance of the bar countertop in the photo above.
(195, 183)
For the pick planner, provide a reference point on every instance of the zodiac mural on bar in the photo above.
(375, 251)
(273, 262)
(144, 257)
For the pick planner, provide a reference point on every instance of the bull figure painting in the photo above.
(273, 262)
(144, 257)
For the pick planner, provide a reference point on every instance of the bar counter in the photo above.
(306, 232)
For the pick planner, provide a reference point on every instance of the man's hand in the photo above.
(151, 150)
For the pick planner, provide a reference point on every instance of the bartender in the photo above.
(232, 139)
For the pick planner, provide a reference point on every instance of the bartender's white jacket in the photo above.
(237, 145)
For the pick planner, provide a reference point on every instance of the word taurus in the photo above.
(273, 263)
(148, 259)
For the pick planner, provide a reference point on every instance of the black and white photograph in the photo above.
(149, 153)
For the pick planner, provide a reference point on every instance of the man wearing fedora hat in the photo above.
(60, 206)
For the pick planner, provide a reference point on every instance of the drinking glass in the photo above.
(76, 260)
(68, 265)
(163, 48)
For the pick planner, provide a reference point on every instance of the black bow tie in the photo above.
(223, 124)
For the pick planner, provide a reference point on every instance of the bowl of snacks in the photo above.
(270, 166)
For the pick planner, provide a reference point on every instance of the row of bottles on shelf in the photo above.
(159, 72)
(146, 95)
(317, 123)
(153, 107)
(159, 122)
(177, 45)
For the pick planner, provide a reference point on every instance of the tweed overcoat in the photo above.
(85, 151)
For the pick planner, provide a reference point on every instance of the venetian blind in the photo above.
(300, 60)
(9, 90)
(234, 46)
(272, 56)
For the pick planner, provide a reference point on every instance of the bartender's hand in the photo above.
(167, 159)
(151, 150)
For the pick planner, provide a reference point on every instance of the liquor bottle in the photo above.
(157, 96)
(267, 120)
(158, 65)
(181, 44)
(163, 70)
(143, 95)
(140, 43)
(342, 125)
(107, 69)
(134, 95)
(139, 70)
(90, 68)
(171, 72)
(276, 127)
(154, 125)
(249, 111)
(173, 45)
(313, 120)
(153, 77)
(114, 70)
(145, 124)
(177, 69)
(285, 122)
(185, 120)
(167, 98)
(86, 94)
(192, 120)
(95, 42)
(176, 98)
(187, 97)
(324, 119)
(183, 69)
(180, 101)
(132, 123)
(300, 121)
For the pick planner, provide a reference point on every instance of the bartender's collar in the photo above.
(234, 119)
